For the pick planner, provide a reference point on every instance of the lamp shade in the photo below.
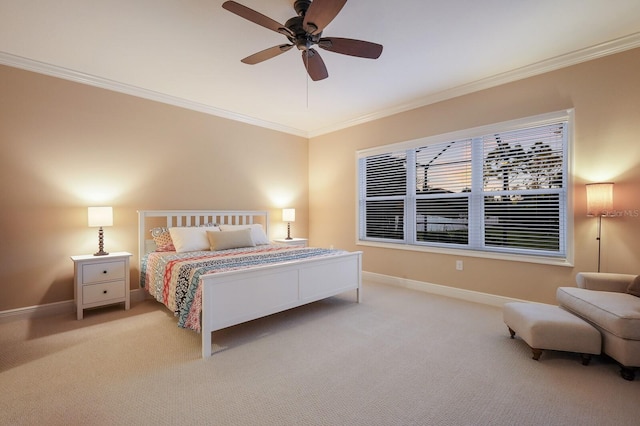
(599, 198)
(100, 216)
(288, 215)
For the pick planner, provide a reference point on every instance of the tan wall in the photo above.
(606, 96)
(67, 146)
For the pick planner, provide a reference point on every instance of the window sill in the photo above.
(472, 253)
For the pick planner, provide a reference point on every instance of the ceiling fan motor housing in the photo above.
(301, 38)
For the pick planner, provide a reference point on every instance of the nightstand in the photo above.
(292, 242)
(101, 280)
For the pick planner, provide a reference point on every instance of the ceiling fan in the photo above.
(305, 31)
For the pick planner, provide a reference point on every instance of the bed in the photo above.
(231, 284)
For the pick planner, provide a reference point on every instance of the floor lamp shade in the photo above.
(599, 198)
(99, 217)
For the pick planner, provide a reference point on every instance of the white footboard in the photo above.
(230, 298)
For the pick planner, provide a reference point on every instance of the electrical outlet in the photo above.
(459, 265)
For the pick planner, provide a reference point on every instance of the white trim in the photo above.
(48, 309)
(621, 44)
(594, 52)
(513, 257)
(68, 306)
(472, 132)
(55, 308)
(104, 83)
(441, 290)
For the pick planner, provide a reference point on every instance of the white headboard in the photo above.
(148, 219)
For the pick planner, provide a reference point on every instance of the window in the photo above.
(495, 189)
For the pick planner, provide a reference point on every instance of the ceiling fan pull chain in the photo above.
(307, 79)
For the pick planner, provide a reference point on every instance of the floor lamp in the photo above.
(599, 203)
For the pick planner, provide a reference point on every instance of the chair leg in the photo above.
(628, 373)
(536, 353)
(586, 358)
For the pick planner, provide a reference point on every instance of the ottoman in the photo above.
(551, 327)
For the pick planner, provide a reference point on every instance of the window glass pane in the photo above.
(444, 167)
(385, 219)
(443, 220)
(386, 175)
(523, 221)
(524, 159)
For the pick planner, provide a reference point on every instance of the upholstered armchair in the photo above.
(611, 303)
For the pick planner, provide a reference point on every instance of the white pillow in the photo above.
(223, 240)
(257, 232)
(191, 238)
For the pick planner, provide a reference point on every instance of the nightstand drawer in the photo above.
(102, 292)
(106, 271)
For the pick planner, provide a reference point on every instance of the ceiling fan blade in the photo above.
(255, 17)
(321, 13)
(265, 54)
(314, 65)
(349, 46)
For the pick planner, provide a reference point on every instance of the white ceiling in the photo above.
(187, 52)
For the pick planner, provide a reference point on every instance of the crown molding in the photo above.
(573, 58)
(104, 83)
(594, 52)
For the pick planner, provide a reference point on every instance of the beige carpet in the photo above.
(399, 358)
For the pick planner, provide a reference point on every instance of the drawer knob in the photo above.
(104, 292)
(104, 272)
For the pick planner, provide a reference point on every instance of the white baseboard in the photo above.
(56, 308)
(442, 290)
(68, 306)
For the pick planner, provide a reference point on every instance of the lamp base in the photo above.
(100, 251)
(288, 231)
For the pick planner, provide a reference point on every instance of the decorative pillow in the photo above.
(634, 287)
(191, 238)
(257, 232)
(223, 240)
(162, 238)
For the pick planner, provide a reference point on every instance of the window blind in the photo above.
(500, 191)
(383, 193)
(523, 188)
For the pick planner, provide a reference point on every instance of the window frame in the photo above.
(472, 133)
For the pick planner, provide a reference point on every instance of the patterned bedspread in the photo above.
(174, 278)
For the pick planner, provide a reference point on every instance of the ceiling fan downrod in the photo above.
(301, 7)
